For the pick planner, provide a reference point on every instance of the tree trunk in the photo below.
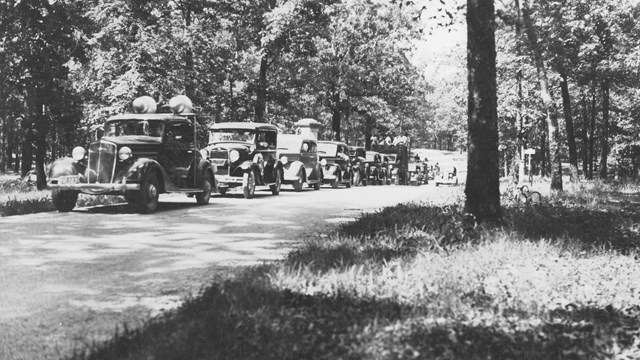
(336, 115)
(584, 135)
(571, 138)
(483, 162)
(543, 153)
(604, 145)
(592, 131)
(27, 153)
(261, 94)
(368, 130)
(547, 100)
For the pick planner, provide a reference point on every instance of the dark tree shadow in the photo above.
(248, 319)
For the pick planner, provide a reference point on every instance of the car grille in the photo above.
(219, 158)
(102, 162)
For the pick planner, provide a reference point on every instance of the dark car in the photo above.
(396, 158)
(375, 169)
(336, 165)
(140, 156)
(357, 155)
(299, 157)
(244, 154)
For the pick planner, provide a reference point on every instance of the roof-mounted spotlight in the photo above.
(144, 105)
(181, 104)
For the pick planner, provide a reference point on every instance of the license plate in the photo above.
(218, 162)
(69, 179)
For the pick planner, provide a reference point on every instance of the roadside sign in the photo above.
(529, 151)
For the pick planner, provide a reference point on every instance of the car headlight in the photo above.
(78, 153)
(323, 162)
(234, 156)
(284, 159)
(124, 153)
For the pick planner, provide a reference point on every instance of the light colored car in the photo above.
(299, 157)
(449, 176)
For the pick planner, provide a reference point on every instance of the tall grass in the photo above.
(557, 281)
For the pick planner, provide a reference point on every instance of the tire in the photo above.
(316, 186)
(222, 191)
(248, 190)
(275, 189)
(297, 185)
(349, 181)
(64, 200)
(437, 184)
(334, 183)
(147, 202)
(204, 197)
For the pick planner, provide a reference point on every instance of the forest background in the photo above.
(361, 67)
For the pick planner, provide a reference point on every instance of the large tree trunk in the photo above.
(547, 100)
(336, 115)
(483, 164)
(261, 94)
(604, 145)
(368, 130)
(571, 138)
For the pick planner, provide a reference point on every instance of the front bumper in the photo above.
(96, 188)
(226, 180)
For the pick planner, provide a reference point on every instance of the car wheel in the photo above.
(222, 191)
(349, 180)
(334, 183)
(437, 183)
(248, 185)
(204, 197)
(64, 200)
(355, 179)
(148, 195)
(275, 189)
(316, 186)
(297, 185)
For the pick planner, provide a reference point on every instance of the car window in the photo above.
(309, 146)
(267, 139)
(179, 132)
(133, 127)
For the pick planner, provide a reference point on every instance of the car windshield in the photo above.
(371, 156)
(133, 127)
(327, 149)
(232, 135)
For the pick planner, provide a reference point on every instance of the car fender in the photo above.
(64, 166)
(246, 165)
(296, 169)
(144, 166)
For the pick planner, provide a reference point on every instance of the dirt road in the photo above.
(67, 279)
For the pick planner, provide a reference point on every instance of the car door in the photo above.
(180, 152)
(309, 157)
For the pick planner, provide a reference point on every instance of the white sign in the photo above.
(529, 151)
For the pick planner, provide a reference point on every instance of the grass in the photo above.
(556, 281)
(19, 197)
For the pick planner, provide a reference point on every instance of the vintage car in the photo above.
(336, 165)
(448, 176)
(244, 154)
(397, 158)
(357, 155)
(375, 169)
(140, 156)
(299, 157)
(417, 173)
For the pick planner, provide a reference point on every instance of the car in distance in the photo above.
(336, 165)
(357, 155)
(299, 157)
(243, 154)
(448, 176)
(375, 168)
(140, 156)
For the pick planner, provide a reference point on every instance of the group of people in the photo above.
(390, 139)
